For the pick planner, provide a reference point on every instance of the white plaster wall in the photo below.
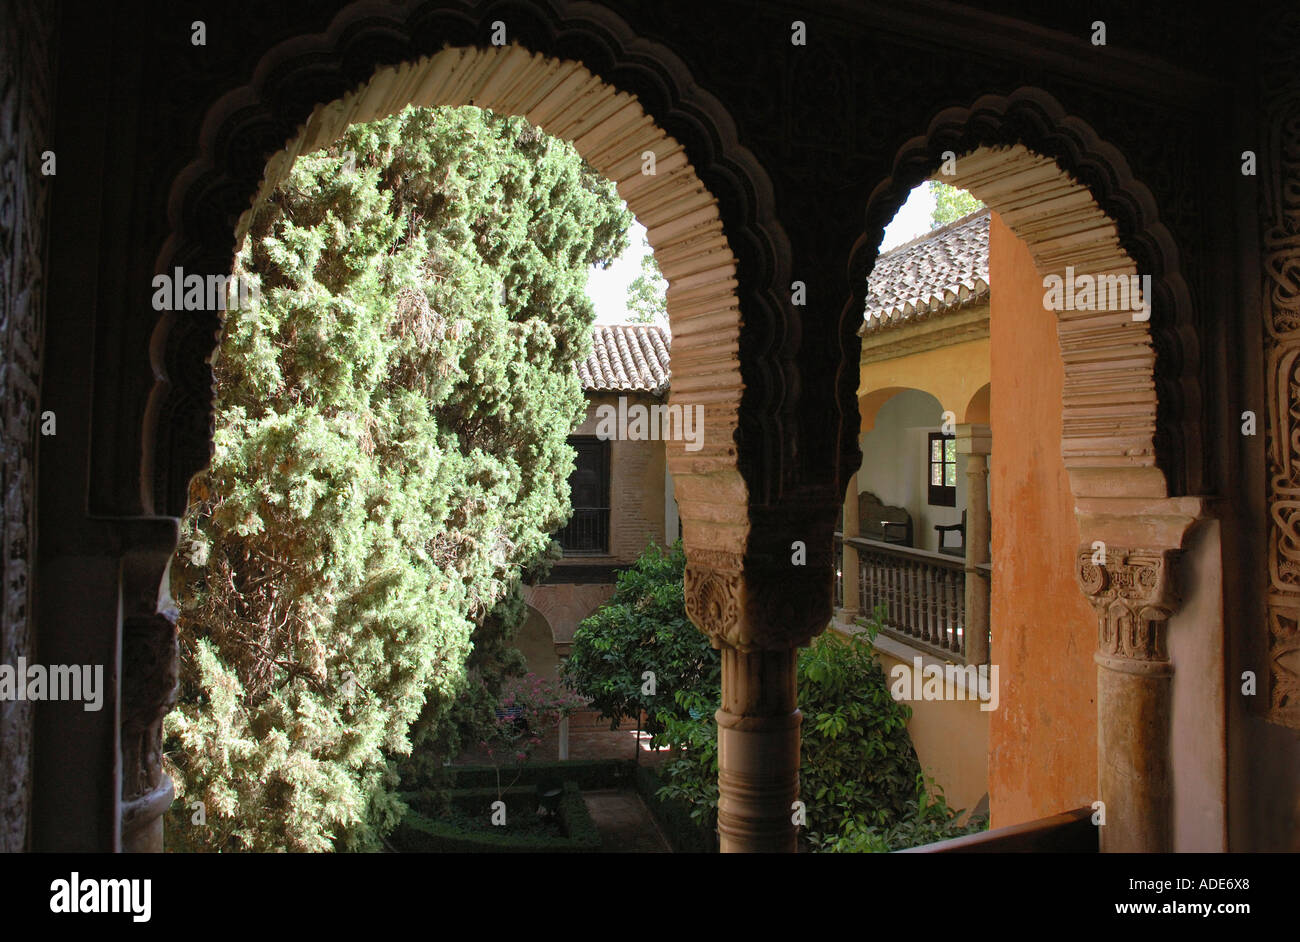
(894, 464)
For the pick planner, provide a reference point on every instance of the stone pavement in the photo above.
(624, 822)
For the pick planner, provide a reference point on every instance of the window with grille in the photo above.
(587, 532)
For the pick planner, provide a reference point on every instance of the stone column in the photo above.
(1133, 595)
(758, 752)
(976, 442)
(850, 527)
(758, 613)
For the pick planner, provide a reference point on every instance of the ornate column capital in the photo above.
(753, 605)
(1133, 594)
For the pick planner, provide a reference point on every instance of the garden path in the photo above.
(624, 822)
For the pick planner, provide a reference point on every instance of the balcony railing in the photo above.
(923, 594)
(1070, 833)
(587, 532)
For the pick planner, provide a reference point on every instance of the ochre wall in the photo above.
(952, 374)
(951, 736)
(1043, 736)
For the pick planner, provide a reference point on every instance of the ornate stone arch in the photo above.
(1130, 440)
(576, 70)
(1112, 224)
(580, 74)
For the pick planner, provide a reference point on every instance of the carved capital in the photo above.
(1133, 594)
(754, 607)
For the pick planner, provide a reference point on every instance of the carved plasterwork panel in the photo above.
(1279, 162)
(26, 43)
(757, 605)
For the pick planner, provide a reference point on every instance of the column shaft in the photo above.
(758, 752)
(1133, 774)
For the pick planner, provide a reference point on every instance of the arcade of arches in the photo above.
(775, 163)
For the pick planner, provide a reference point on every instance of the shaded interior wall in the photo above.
(636, 488)
(1043, 736)
(26, 68)
(537, 645)
(1198, 731)
(894, 465)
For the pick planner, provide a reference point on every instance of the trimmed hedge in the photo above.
(587, 773)
(419, 833)
(684, 835)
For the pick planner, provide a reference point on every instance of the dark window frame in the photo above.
(940, 495)
(588, 531)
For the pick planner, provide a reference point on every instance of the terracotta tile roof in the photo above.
(627, 358)
(941, 271)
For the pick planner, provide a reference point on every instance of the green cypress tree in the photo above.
(389, 452)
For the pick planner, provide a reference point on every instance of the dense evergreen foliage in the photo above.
(389, 452)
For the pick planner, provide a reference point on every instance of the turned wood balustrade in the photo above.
(922, 594)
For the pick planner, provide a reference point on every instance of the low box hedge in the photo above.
(587, 773)
(684, 835)
(420, 832)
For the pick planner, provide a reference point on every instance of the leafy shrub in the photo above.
(643, 627)
(859, 778)
(927, 819)
(859, 763)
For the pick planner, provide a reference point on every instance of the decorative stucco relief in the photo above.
(1279, 162)
(26, 48)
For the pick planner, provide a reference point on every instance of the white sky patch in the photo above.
(607, 288)
(911, 220)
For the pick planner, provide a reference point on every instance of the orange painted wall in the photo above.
(1043, 736)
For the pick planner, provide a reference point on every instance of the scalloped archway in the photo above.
(613, 133)
(1129, 442)
(211, 200)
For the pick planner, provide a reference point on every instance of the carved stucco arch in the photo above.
(708, 211)
(613, 133)
(578, 71)
(1129, 384)
(1072, 198)
(1130, 398)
